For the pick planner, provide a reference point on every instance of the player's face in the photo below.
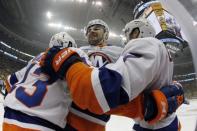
(95, 34)
(134, 34)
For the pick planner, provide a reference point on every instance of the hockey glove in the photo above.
(56, 61)
(46, 62)
(159, 103)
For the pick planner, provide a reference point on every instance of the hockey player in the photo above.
(33, 101)
(100, 54)
(141, 28)
(143, 66)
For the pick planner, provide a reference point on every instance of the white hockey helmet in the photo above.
(97, 22)
(145, 28)
(62, 39)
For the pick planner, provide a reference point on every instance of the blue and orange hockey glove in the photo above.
(153, 106)
(56, 61)
(160, 103)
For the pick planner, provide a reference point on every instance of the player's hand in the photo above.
(160, 103)
(175, 96)
(56, 61)
(46, 63)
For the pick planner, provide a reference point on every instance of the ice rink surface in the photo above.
(186, 113)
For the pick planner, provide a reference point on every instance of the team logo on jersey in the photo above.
(99, 59)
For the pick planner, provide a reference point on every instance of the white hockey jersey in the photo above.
(32, 95)
(100, 56)
(143, 65)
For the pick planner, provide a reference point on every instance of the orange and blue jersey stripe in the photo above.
(97, 90)
(19, 119)
(82, 124)
(10, 81)
(13, 79)
(111, 85)
(99, 119)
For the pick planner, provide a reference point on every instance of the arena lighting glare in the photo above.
(97, 3)
(1, 42)
(82, 1)
(123, 37)
(194, 23)
(94, 2)
(48, 14)
(69, 28)
(112, 34)
(59, 25)
(185, 75)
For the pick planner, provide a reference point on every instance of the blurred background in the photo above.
(26, 27)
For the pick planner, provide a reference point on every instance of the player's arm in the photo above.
(13, 79)
(97, 90)
(143, 60)
(101, 88)
(153, 106)
(90, 88)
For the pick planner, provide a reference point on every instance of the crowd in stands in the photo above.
(8, 66)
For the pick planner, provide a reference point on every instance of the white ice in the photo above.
(186, 113)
